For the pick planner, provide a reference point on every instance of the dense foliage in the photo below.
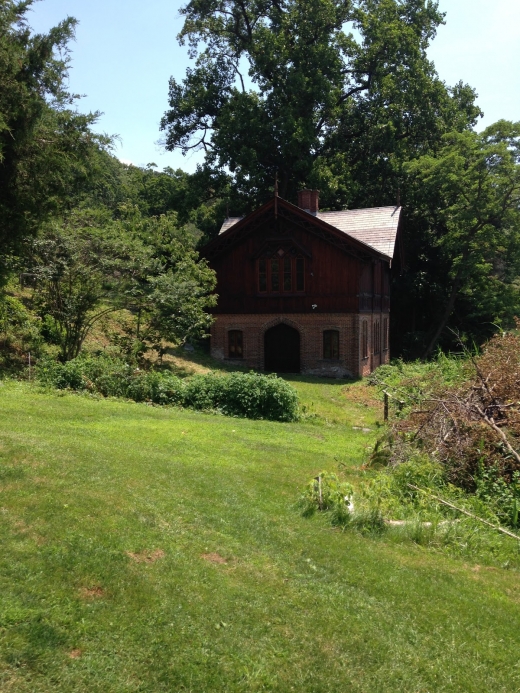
(47, 149)
(462, 240)
(250, 395)
(465, 418)
(331, 94)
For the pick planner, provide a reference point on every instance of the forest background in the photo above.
(335, 95)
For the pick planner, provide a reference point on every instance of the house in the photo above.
(304, 291)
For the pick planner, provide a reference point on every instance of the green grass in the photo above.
(246, 595)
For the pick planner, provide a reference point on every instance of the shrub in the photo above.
(326, 493)
(249, 395)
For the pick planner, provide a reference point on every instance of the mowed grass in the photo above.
(147, 549)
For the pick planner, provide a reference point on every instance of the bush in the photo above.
(326, 493)
(250, 395)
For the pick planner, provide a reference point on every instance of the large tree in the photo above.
(47, 150)
(463, 236)
(88, 265)
(329, 93)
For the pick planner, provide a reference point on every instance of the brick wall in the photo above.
(311, 328)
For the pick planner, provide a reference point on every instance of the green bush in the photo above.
(249, 395)
(501, 495)
(326, 493)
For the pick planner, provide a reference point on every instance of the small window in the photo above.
(262, 275)
(385, 334)
(331, 344)
(376, 336)
(287, 274)
(275, 275)
(235, 344)
(364, 339)
(300, 274)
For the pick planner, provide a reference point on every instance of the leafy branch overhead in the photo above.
(310, 89)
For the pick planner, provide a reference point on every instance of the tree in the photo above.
(46, 146)
(468, 198)
(163, 281)
(71, 274)
(89, 265)
(284, 85)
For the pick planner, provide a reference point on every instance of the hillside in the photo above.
(149, 549)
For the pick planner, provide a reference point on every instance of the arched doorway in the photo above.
(282, 349)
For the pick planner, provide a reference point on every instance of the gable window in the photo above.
(287, 274)
(283, 273)
(300, 274)
(331, 344)
(364, 339)
(275, 275)
(235, 344)
(262, 275)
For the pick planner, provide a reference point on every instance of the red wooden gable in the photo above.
(342, 273)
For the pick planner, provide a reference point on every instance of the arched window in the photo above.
(376, 337)
(385, 334)
(331, 344)
(364, 339)
(235, 344)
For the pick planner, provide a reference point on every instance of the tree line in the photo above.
(334, 94)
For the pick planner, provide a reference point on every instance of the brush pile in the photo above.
(470, 426)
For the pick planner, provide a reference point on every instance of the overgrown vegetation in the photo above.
(251, 395)
(468, 423)
(446, 472)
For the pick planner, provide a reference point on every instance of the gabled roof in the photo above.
(375, 227)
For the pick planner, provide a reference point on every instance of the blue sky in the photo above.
(125, 53)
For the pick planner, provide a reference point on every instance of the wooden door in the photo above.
(282, 349)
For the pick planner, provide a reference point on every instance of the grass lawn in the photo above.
(147, 549)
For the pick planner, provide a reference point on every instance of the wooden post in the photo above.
(386, 406)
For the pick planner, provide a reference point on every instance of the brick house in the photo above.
(302, 290)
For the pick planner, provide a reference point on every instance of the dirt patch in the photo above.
(361, 394)
(92, 592)
(214, 558)
(146, 556)
(75, 654)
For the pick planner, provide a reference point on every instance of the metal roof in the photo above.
(376, 226)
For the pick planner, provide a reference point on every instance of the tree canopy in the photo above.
(464, 240)
(329, 93)
(46, 147)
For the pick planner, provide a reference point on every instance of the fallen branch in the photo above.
(501, 433)
(466, 512)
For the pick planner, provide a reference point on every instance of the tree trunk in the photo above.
(446, 315)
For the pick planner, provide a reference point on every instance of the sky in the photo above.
(125, 53)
